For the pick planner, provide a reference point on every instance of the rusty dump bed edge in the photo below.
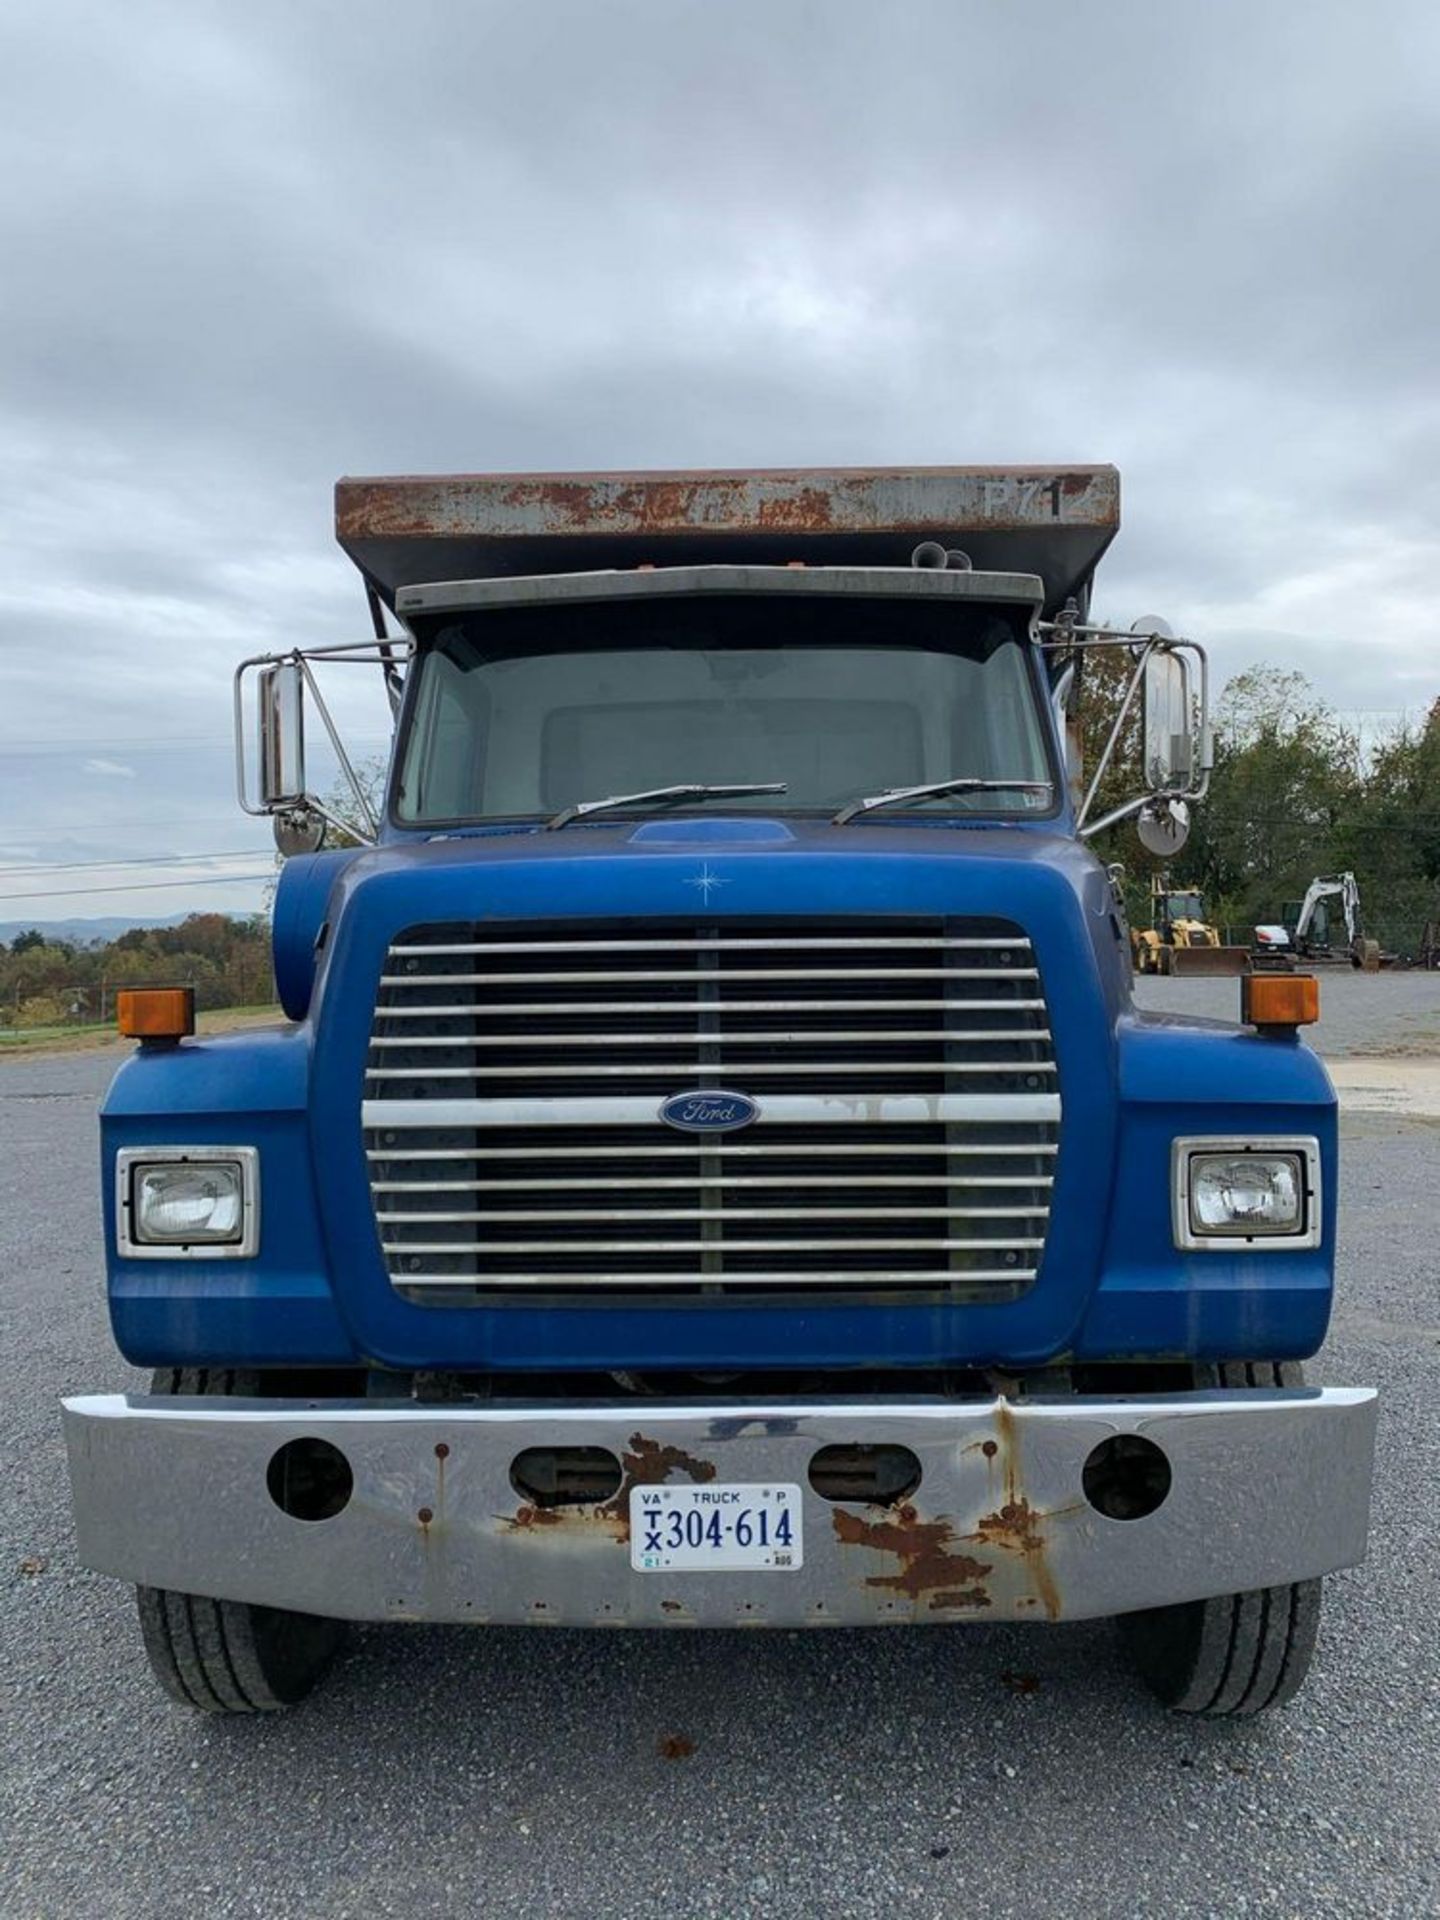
(410, 530)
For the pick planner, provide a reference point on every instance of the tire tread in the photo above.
(210, 1654)
(1240, 1653)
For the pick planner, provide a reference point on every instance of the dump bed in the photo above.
(407, 531)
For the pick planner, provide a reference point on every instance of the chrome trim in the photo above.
(1268, 1486)
(869, 1036)
(729, 1151)
(822, 1245)
(707, 943)
(689, 975)
(446, 1218)
(715, 1212)
(729, 1181)
(127, 1159)
(711, 1007)
(632, 1069)
(961, 1279)
(805, 1109)
(1305, 1146)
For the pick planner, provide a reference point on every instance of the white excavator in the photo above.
(1360, 952)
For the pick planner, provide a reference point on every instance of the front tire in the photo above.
(229, 1656)
(1240, 1653)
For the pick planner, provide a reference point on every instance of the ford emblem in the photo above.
(717, 1111)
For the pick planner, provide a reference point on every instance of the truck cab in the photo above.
(714, 1172)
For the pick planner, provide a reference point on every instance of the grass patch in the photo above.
(23, 1041)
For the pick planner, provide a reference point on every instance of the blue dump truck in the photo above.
(714, 1174)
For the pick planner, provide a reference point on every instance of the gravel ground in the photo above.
(1360, 1013)
(1003, 1770)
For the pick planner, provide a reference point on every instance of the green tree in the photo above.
(340, 800)
(1286, 782)
(1391, 839)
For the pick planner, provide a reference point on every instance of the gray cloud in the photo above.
(249, 249)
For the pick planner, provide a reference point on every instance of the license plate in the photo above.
(690, 1529)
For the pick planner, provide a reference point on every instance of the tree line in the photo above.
(46, 982)
(1294, 796)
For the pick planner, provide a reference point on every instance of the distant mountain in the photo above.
(84, 933)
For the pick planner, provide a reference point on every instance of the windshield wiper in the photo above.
(933, 789)
(659, 797)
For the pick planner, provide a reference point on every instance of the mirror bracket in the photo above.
(283, 683)
(1186, 777)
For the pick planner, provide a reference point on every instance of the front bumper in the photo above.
(1266, 1487)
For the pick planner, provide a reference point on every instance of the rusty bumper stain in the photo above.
(646, 1463)
(935, 1563)
(929, 1565)
(935, 1559)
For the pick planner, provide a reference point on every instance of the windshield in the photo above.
(528, 711)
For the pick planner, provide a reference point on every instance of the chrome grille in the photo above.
(903, 1070)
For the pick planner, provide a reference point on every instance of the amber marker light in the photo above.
(157, 1016)
(1279, 999)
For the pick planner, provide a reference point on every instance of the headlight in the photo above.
(1258, 1193)
(178, 1204)
(1245, 1193)
(188, 1202)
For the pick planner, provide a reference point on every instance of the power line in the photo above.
(39, 867)
(142, 886)
(76, 742)
(1346, 822)
(110, 747)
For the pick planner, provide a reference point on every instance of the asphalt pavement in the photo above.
(444, 1772)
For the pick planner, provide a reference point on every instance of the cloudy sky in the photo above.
(249, 247)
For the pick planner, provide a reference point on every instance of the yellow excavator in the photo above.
(1180, 939)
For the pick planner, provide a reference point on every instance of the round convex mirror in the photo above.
(298, 831)
(1164, 827)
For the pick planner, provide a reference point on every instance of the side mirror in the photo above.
(1169, 680)
(299, 830)
(284, 688)
(281, 705)
(1171, 749)
(1163, 827)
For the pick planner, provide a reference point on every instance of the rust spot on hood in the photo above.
(924, 1549)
